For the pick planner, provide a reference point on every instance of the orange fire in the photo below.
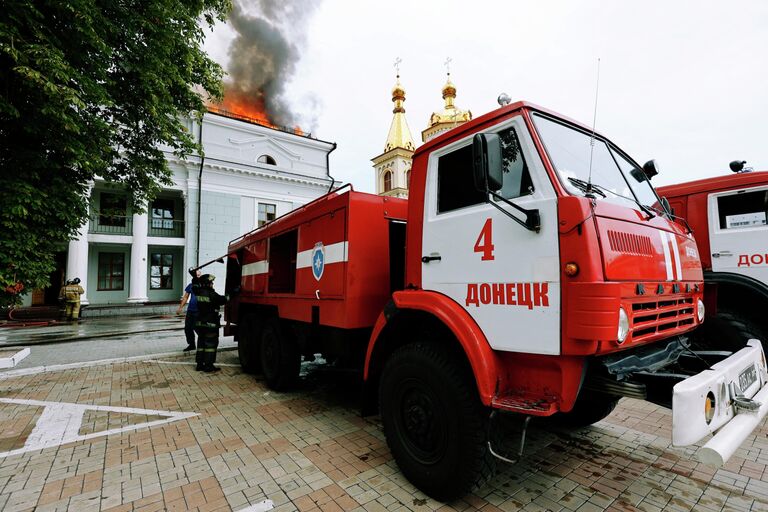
(248, 108)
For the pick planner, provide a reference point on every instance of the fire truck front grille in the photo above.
(652, 318)
(629, 243)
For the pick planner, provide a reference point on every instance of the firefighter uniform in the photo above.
(207, 324)
(70, 294)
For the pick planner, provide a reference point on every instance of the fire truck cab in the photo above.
(532, 271)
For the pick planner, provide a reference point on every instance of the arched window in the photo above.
(408, 179)
(387, 181)
(266, 159)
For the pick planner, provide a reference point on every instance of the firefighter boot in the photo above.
(210, 358)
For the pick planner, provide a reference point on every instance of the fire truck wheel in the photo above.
(727, 331)
(434, 423)
(280, 358)
(248, 344)
(586, 411)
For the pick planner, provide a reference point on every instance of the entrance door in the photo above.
(738, 232)
(505, 276)
(51, 293)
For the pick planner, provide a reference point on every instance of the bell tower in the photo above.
(393, 166)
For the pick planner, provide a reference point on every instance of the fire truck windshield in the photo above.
(613, 178)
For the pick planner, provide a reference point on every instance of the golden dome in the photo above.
(398, 96)
(399, 134)
(450, 113)
(449, 90)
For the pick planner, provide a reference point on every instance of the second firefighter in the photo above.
(207, 323)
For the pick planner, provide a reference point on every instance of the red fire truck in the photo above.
(729, 215)
(532, 272)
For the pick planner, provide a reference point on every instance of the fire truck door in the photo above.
(738, 232)
(504, 275)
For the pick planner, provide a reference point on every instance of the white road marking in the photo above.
(87, 364)
(60, 423)
(10, 362)
(259, 507)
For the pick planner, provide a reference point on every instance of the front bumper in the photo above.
(738, 386)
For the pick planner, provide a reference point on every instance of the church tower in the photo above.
(450, 117)
(393, 166)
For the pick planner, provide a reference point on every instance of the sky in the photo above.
(683, 82)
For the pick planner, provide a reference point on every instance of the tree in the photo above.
(91, 88)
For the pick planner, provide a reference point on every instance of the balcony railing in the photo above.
(166, 227)
(108, 224)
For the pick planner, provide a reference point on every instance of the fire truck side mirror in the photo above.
(486, 162)
(651, 169)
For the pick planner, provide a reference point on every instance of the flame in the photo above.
(252, 109)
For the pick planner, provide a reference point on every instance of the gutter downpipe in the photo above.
(328, 166)
(199, 188)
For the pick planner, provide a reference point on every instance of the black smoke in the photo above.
(270, 38)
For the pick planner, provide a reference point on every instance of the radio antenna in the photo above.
(588, 192)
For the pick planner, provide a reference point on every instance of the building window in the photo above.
(111, 271)
(161, 271)
(162, 213)
(112, 208)
(266, 159)
(387, 181)
(267, 213)
(408, 179)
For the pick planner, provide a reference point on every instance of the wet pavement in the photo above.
(12, 335)
(156, 435)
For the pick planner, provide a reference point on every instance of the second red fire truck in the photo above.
(533, 271)
(729, 216)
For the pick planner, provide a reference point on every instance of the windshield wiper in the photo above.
(586, 187)
(592, 187)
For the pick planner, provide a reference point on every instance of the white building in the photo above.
(249, 175)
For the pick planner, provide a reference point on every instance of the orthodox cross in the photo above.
(398, 60)
(447, 64)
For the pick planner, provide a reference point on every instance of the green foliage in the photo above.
(91, 88)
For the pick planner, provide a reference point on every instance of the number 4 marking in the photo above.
(484, 242)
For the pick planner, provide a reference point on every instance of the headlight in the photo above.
(700, 310)
(623, 325)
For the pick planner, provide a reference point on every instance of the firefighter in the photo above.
(191, 316)
(207, 324)
(70, 294)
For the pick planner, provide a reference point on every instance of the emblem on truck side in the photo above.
(318, 260)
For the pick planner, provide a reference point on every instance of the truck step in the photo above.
(527, 404)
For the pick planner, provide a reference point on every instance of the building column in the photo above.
(138, 284)
(77, 252)
(77, 260)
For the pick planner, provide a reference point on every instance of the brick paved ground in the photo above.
(310, 450)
